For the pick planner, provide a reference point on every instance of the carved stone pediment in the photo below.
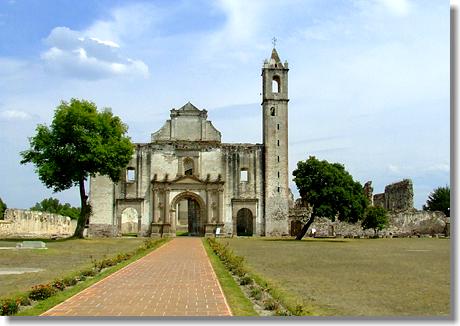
(187, 179)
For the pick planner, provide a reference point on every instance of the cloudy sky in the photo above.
(368, 79)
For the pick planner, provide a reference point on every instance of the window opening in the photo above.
(278, 126)
(244, 175)
(278, 158)
(276, 84)
(130, 175)
(278, 142)
(272, 111)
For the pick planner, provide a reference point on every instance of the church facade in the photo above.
(186, 180)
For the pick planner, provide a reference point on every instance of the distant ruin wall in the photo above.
(379, 200)
(402, 224)
(398, 196)
(19, 223)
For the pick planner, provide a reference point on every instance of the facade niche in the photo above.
(188, 166)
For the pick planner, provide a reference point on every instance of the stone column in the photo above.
(156, 209)
(209, 206)
(220, 207)
(167, 218)
(173, 220)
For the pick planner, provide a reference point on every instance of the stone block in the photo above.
(33, 244)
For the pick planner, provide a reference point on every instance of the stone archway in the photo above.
(129, 221)
(244, 222)
(190, 213)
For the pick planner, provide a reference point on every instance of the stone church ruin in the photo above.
(186, 179)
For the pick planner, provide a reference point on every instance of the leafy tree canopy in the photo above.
(330, 190)
(439, 200)
(52, 205)
(375, 218)
(3, 208)
(80, 142)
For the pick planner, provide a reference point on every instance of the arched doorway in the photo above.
(189, 214)
(244, 220)
(129, 221)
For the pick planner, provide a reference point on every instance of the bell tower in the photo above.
(275, 138)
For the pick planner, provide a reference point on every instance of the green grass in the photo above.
(238, 302)
(60, 259)
(47, 304)
(362, 277)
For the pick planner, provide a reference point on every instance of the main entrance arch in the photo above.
(190, 213)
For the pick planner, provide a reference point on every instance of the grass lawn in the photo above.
(60, 259)
(356, 277)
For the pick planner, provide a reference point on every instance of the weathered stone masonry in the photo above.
(397, 199)
(186, 179)
(20, 223)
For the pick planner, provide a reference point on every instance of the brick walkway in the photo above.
(175, 280)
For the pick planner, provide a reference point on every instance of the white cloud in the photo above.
(394, 169)
(397, 7)
(14, 115)
(75, 54)
(440, 167)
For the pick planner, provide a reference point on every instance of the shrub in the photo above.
(255, 292)
(58, 285)
(245, 280)
(41, 291)
(88, 272)
(282, 312)
(23, 300)
(69, 280)
(271, 304)
(9, 307)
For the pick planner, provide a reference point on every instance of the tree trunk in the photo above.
(304, 230)
(84, 211)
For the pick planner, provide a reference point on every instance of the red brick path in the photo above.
(174, 280)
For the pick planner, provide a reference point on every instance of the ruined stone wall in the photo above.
(402, 224)
(19, 223)
(398, 197)
(379, 200)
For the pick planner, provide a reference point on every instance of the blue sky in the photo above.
(368, 80)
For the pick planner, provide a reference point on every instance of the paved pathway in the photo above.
(175, 280)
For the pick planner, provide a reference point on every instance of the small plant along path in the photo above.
(174, 280)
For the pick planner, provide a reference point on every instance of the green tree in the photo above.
(330, 190)
(81, 142)
(3, 208)
(439, 200)
(375, 218)
(52, 205)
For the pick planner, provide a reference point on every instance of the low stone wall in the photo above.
(417, 223)
(19, 223)
(326, 228)
(102, 231)
(402, 224)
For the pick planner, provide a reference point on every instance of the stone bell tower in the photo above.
(275, 138)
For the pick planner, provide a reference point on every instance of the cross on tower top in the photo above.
(274, 42)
